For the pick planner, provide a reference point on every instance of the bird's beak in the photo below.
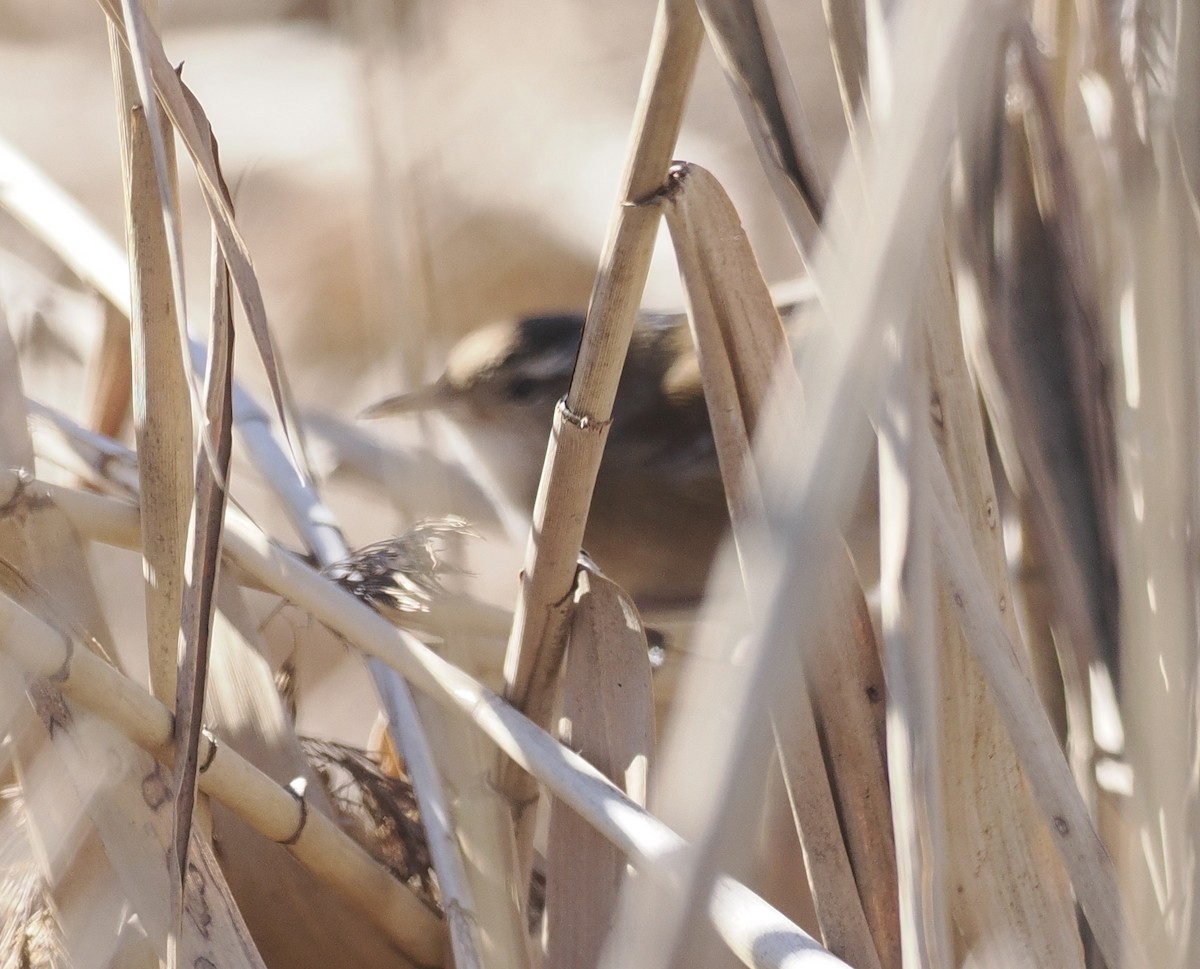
(430, 397)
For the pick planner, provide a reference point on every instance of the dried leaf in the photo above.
(162, 411)
(752, 57)
(740, 343)
(608, 716)
(204, 544)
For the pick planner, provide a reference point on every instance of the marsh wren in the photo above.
(658, 512)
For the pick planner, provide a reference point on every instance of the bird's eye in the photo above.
(522, 388)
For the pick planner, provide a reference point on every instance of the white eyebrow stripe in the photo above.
(556, 363)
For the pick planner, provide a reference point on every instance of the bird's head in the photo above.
(499, 388)
(499, 372)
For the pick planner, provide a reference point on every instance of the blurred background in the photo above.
(405, 172)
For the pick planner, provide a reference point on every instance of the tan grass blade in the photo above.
(911, 648)
(162, 394)
(153, 154)
(739, 339)
(739, 914)
(1093, 876)
(204, 553)
(751, 55)
(736, 330)
(279, 814)
(608, 716)
(1019, 908)
(162, 412)
(1021, 875)
(844, 927)
(846, 684)
(580, 426)
(188, 119)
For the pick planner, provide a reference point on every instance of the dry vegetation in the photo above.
(969, 740)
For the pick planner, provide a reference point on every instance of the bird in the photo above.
(658, 512)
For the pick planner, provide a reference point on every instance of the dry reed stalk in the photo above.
(843, 660)
(42, 559)
(485, 918)
(50, 214)
(608, 717)
(127, 806)
(94, 257)
(276, 812)
(739, 339)
(464, 906)
(923, 90)
(644, 839)
(581, 423)
(45, 567)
